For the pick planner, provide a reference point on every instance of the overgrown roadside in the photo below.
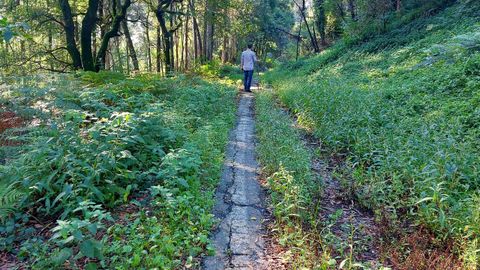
(293, 188)
(119, 173)
(404, 107)
(348, 231)
(317, 223)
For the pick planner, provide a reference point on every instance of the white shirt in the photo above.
(248, 60)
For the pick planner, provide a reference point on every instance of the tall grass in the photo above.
(404, 106)
(294, 189)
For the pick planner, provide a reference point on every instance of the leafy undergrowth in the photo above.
(405, 107)
(294, 189)
(215, 69)
(113, 172)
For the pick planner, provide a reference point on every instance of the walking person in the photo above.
(248, 65)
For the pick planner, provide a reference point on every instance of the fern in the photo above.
(10, 195)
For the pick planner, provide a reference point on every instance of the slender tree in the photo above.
(351, 8)
(69, 29)
(119, 14)
(131, 48)
(88, 25)
(320, 20)
(164, 8)
(302, 10)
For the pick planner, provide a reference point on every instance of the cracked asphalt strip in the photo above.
(238, 239)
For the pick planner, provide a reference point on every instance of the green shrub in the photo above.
(101, 78)
(109, 143)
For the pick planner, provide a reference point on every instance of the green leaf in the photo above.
(91, 248)
(62, 256)
(424, 200)
(183, 183)
(92, 228)
(77, 234)
(7, 34)
(127, 193)
(88, 249)
(127, 249)
(91, 266)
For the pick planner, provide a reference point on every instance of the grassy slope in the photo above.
(152, 160)
(405, 107)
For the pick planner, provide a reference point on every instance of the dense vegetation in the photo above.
(127, 167)
(114, 116)
(286, 165)
(404, 107)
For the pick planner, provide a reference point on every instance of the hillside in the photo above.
(403, 111)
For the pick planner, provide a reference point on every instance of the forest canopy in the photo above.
(168, 36)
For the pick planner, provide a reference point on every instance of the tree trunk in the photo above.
(195, 43)
(211, 41)
(131, 48)
(149, 45)
(320, 20)
(196, 31)
(298, 41)
(234, 46)
(185, 55)
(69, 27)
(127, 59)
(167, 40)
(88, 25)
(173, 41)
(313, 39)
(198, 38)
(209, 30)
(117, 20)
(159, 50)
(177, 55)
(224, 49)
(77, 24)
(351, 7)
(119, 56)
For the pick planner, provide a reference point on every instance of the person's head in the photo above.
(250, 46)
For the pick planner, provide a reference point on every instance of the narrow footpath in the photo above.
(238, 239)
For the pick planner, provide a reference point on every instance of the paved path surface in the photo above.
(238, 239)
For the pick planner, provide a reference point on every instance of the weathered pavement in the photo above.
(238, 239)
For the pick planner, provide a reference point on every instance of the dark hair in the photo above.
(250, 45)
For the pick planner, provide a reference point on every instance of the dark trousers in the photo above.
(247, 79)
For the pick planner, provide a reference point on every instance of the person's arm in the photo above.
(241, 62)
